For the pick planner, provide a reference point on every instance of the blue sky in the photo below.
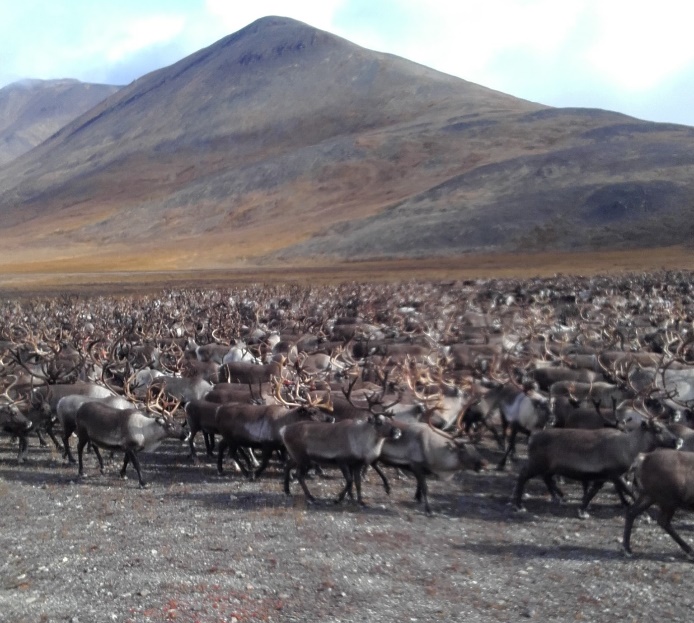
(631, 56)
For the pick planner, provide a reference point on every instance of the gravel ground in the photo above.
(195, 547)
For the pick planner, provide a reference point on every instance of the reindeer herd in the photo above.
(597, 373)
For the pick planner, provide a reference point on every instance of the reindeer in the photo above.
(547, 377)
(522, 410)
(201, 415)
(235, 392)
(181, 388)
(598, 392)
(252, 374)
(567, 413)
(425, 450)
(591, 456)
(258, 426)
(45, 399)
(67, 415)
(123, 429)
(349, 444)
(14, 422)
(664, 478)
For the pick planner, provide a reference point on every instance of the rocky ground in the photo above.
(195, 547)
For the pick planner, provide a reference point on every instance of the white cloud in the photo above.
(602, 53)
(143, 33)
(640, 45)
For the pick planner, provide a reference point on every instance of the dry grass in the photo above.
(161, 270)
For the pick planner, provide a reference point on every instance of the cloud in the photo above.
(144, 33)
(631, 56)
(639, 46)
(48, 40)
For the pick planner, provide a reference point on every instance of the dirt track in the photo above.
(194, 547)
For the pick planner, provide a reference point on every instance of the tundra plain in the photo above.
(196, 547)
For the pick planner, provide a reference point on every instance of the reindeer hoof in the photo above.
(144, 485)
(583, 514)
(627, 552)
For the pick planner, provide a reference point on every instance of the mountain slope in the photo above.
(283, 142)
(33, 110)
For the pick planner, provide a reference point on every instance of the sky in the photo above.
(631, 56)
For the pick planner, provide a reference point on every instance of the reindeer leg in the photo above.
(209, 442)
(264, 461)
(622, 490)
(524, 475)
(664, 518)
(510, 450)
(67, 454)
(97, 453)
(193, 428)
(356, 473)
(349, 479)
(301, 475)
(643, 503)
(23, 448)
(81, 442)
(136, 465)
(588, 495)
(554, 490)
(54, 439)
(251, 459)
(126, 460)
(287, 475)
(223, 445)
(42, 441)
(500, 439)
(240, 454)
(379, 471)
(422, 493)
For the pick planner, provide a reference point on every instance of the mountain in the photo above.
(283, 143)
(33, 110)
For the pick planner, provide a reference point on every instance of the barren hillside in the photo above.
(283, 143)
(33, 110)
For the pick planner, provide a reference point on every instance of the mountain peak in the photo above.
(273, 36)
(282, 140)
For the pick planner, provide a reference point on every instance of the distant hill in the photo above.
(33, 110)
(283, 143)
